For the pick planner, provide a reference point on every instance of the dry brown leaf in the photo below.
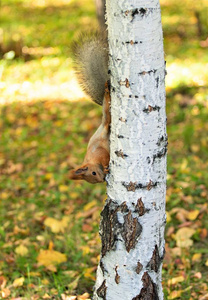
(5, 293)
(85, 296)
(204, 297)
(198, 275)
(3, 282)
(50, 258)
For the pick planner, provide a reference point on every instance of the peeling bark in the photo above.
(149, 290)
(155, 261)
(131, 231)
(101, 291)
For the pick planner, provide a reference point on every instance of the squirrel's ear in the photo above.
(77, 173)
(81, 170)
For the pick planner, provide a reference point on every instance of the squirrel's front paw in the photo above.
(106, 170)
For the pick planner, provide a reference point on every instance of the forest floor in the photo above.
(49, 241)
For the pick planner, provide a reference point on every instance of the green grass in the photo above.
(43, 135)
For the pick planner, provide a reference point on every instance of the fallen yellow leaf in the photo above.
(57, 225)
(206, 263)
(168, 217)
(88, 273)
(175, 280)
(182, 237)
(21, 250)
(90, 205)
(174, 295)
(50, 257)
(196, 257)
(63, 188)
(192, 215)
(73, 285)
(34, 274)
(18, 282)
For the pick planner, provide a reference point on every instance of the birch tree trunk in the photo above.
(133, 219)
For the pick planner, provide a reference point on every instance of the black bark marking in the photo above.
(142, 11)
(103, 268)
(134, 12)
(149, 290)
(120, 136)
(117, 277)
(155, 261)
(148, 160)
(139, 208)
(139, 267)
(160, 140)
(101, 291)
(122, 119)
(131, 231)
(110, 228)
(160, 153)
(148, 72)
(157, 79)
(132, 42)
(120, 154)
(151, 108)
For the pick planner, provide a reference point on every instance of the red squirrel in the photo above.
(92, 70)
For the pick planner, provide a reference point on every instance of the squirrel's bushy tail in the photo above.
(91, 64)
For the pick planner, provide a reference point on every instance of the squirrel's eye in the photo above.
(94, 173)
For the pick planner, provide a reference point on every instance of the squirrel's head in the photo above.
(89, 172)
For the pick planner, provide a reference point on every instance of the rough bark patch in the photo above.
(139, 208)
(101, 291)
(139, 267)
(132, 186)
(124, 207)
(117, 277)
(149, 290)
(131, 231)
(155, 261)
(109, 228)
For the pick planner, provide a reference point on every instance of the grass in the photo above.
(43, 135)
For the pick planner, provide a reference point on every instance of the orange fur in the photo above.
(96, 161)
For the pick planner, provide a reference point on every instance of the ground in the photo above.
(49, 246)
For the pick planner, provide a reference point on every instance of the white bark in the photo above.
(133, 220)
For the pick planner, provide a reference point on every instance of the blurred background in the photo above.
(49, 241)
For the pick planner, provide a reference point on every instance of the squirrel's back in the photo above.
(92, 65)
